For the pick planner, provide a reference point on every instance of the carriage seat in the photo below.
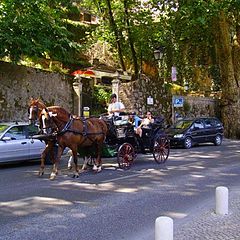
(120, 120)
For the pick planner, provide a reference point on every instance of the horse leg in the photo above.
(97, 167)
(75, 160)
(56, 163)
(42, 166)
(85, 161)
(88, 161)
(70, 161)
(49, 149)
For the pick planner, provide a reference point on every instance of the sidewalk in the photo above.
(209, 226)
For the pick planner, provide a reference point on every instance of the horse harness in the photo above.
(84, 133)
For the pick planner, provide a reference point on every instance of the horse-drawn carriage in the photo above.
(100, 135)
(123, 142)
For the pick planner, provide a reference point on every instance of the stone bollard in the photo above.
(164, 228)
(221, 200)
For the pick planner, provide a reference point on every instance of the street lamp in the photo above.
(77, 86)
(158, 55)
(116, 84)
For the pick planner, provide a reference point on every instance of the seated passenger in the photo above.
(134, 120)
(146, 122)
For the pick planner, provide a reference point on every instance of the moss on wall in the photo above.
(19, 83)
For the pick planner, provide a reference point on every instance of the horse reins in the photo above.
(84, 133)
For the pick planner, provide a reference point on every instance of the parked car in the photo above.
(188, 132)
(16, 143)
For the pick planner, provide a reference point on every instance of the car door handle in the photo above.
(23, 142)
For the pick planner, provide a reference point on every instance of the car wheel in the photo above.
(218, 140)
(187, 143)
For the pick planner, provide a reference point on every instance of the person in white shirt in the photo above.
(146, 122)
(115, 107)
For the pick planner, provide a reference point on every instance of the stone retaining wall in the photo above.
(134, 96)
(19, 83)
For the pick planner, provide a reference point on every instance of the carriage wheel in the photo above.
(161, 149)
(125, 156)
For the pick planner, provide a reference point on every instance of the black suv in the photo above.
(188, 132)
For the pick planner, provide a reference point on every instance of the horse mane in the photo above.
(59, 109)
(38, 102)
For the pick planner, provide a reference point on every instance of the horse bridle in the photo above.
(46, 116)
(31, 110)
(53, 128)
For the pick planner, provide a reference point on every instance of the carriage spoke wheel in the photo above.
(161, 149)
(125, 156)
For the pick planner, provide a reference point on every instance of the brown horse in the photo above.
(74, 133)
(35, 108)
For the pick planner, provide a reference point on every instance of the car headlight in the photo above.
(178, 136)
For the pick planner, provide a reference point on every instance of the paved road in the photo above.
(116, 204)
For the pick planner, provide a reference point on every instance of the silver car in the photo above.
(16, 143)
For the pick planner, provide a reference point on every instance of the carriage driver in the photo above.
(115, 107)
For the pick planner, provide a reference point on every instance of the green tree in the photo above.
(198, 39)
(206, 36)
(35, 28)
(129, 26)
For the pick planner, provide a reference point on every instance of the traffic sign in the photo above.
(178, 101)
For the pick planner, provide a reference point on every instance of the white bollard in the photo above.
(221, 200)
(164, 228)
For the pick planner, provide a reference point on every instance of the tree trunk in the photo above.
(230, 91)
(130, 39)
(116, 33)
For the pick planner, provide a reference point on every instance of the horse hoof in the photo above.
(84, 167)
(75, 176)
(95, 168)
(40, 174)
(97, 171)
(52, 176)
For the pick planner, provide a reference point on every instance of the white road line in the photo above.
(120, 178)
(144, 172)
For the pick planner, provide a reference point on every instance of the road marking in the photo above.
(120, 178)
(133, 175)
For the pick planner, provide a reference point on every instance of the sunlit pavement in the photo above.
(183, 189)
(207, 225)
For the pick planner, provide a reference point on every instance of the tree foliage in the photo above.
(35, 28)
(200, 37)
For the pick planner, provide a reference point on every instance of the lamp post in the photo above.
(116, 84)
(77, 86)
(158, 55)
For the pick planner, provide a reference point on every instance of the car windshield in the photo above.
(3, 127)
(182, 124)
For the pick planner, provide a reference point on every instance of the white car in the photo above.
(16, 143)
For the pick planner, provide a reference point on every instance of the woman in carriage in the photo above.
(145, 124)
